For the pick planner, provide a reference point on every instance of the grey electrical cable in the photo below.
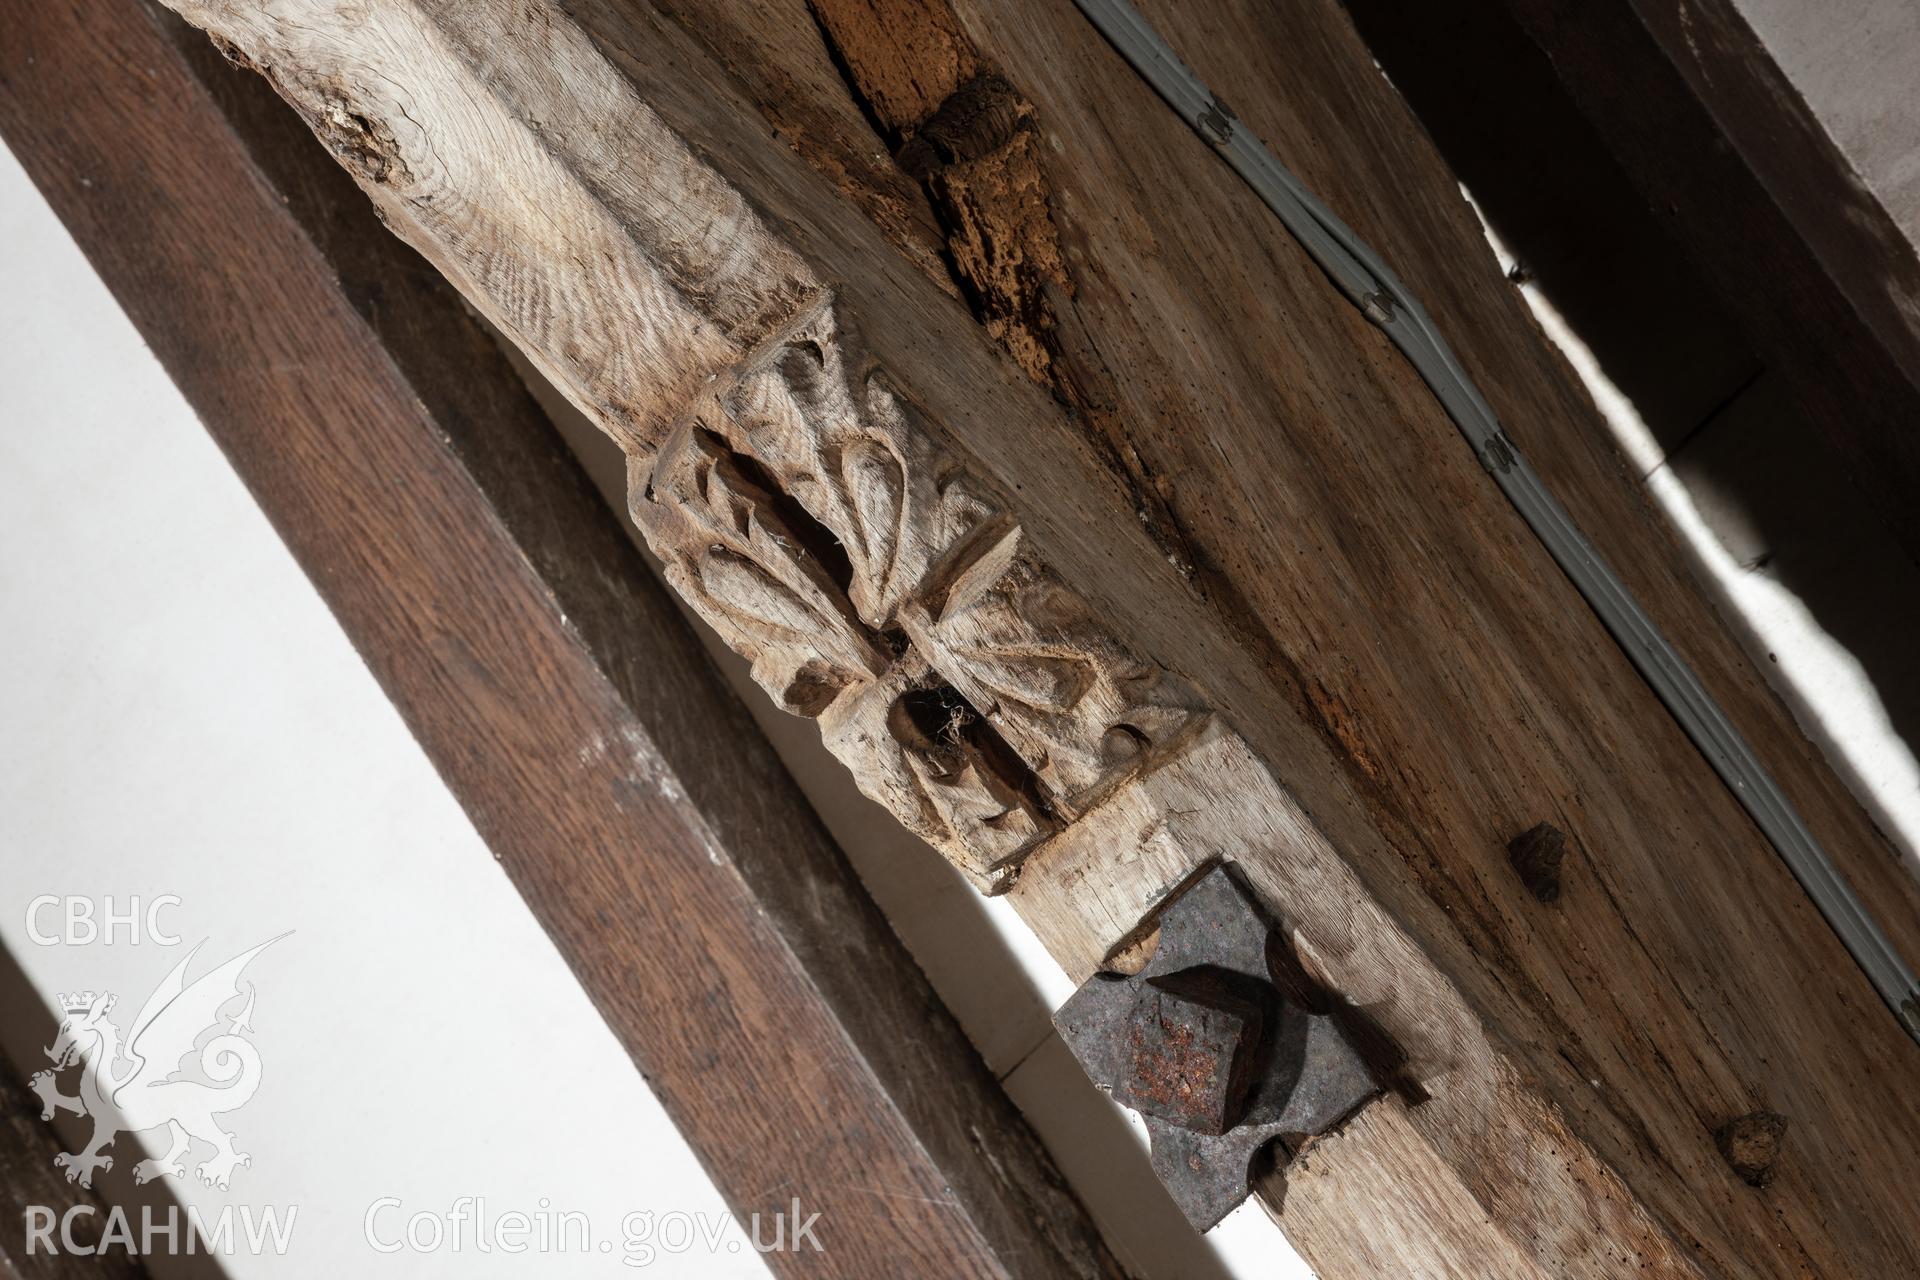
(1372, 286)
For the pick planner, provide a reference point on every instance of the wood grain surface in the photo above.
(1380, 678)
(551, 680)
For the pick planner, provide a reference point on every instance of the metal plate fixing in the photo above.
(1210, 1053)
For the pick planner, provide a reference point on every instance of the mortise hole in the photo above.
(932, 719)
(937, 721)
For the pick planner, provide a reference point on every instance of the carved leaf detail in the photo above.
(970, 808)
(1052, 678)
(763, 604)
(929, 768)
(876, 483)
(1038, 680)
(727, 549)
(857, 456)
(810, 515)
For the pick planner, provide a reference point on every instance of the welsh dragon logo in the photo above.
(143, 1083)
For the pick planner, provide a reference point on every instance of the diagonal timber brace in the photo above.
(915, 547)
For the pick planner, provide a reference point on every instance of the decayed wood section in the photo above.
(1213, 578)
(548, 676)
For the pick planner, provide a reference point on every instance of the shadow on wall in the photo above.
(1758, 469)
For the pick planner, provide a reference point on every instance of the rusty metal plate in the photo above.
(1214, 1058)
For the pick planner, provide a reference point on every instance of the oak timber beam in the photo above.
(1156, 553)
(1713, 335)
(558, 691)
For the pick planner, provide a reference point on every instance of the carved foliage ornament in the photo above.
(807, 513)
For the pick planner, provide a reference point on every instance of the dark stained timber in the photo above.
(646, 822)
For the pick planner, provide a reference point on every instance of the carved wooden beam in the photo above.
(1200, 572)
(557, 689)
